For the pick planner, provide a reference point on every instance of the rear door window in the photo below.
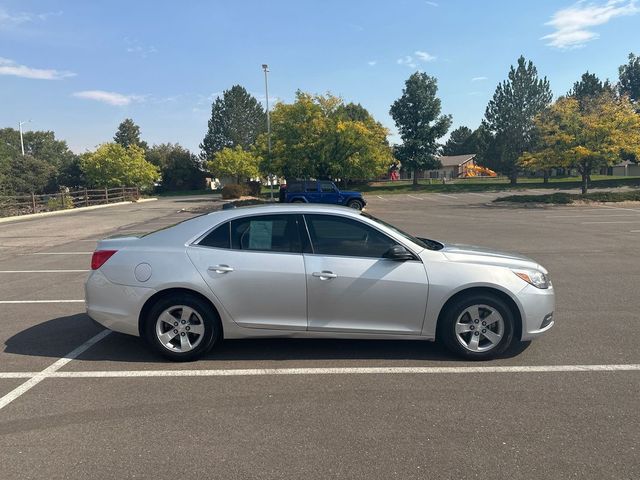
(218, 238)
(266, 233)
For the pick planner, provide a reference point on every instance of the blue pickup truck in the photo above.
(319, 191)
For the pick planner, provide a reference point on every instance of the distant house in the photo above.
(453, 166)
(625, 169)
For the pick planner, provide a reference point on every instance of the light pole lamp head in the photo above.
(265, 67)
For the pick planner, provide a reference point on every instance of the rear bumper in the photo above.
(538, 307)
(116, 307)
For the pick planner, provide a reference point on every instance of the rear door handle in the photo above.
(221, 269)
(324, 275)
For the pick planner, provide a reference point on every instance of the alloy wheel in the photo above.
(479, 328)
(180, 328)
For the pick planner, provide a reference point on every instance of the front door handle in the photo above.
(324, 275)
(221, 269)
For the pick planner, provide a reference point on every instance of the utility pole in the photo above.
(21, 139)
(265, 68)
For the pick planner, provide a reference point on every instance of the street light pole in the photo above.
(265, 68)
(21, 139)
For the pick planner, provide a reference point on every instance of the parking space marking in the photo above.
(480, 194)
(17, 302)
(594, 215)
(37, 378)
(446, 195)
(413, 196)
(242, 372)
(619, 221)
(57, 253)
(43, 271)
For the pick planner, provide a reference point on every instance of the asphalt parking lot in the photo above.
(78, 402)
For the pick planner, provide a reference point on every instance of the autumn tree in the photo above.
(113, 165)
(585, 137)
(510, 114)
(322, 137)
(237, 118)
(235, 162)
(417, 114)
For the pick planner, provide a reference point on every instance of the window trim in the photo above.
(416, 257)
(196, 242)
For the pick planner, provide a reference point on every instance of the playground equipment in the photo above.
(477, 171)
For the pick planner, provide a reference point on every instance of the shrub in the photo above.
(233, 191)
(254, 188)
(58, 202)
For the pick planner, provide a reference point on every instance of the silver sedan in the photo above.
(312, 271)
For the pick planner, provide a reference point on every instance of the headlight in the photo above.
(534, 277)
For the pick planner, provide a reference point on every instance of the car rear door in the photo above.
(351, 287)
(254, 265)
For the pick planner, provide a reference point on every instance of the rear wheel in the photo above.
(297, 200)
(357, 204)
(181, 327)
(478, 327)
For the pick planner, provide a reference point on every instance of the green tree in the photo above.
(629, 83)
(585, 137)
(237, 118)
(113, 165)
(235, 162)
(322, 137)
(510, 113)
(461, 141)
(179, 168)
(28, 174)
(417, 116)
(128, 134)
(589, 86)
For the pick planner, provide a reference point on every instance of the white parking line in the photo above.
(320, 371)
(620, 221)
(43, 271)
(594, 215)
(480, 194)
(413, 196)
(57, 253)
(446, 195)
(38, 377)
(17, 302)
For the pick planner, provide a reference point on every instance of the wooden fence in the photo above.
(64, 200)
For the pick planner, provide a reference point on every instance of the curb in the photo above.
(30, 216)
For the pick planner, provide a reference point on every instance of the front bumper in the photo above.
(116, 307)
(538, 306)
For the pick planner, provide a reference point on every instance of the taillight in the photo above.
(100, 257)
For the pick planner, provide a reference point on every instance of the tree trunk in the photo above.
(585, 182)
(513, 177)
(546, 176)
(415, 177)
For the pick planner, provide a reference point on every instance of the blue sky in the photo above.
(79, 68)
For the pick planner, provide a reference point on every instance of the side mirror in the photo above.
(399, 254)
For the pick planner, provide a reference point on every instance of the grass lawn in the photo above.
(492, 184)
(567, 198)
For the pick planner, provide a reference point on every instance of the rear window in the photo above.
(218, 238)
(294, 187)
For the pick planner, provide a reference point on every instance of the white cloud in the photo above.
(111, 98)
(433, 4)
(372, 63)
(135, 47)
(424, 56)
(408, 61)
(573, 24)
(478, 79)
(411, 61)
(18, 18)
(9, 67)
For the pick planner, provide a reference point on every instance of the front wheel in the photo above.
(181, 327)
(479, 327)
(357, 204)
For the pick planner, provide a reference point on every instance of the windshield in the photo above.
(423, 242)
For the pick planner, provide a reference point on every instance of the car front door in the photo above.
(254, 265)
(351, 287)
(328, 193)
(312, 192)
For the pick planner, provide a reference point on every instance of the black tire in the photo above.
(297, 200)
(447, 326)
(357, 204)
(210, 322)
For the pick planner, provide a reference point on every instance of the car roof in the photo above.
(196, 226)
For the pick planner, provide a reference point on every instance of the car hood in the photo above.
(487, 256)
